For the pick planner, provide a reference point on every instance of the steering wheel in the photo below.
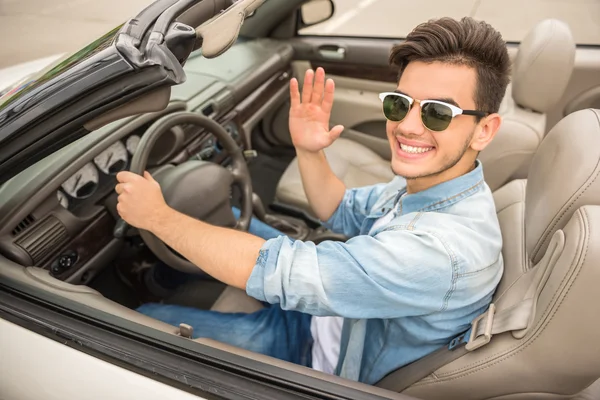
(200, 189)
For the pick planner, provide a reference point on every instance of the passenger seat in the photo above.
(541, 72)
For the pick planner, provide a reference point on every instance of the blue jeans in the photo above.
(271, 331)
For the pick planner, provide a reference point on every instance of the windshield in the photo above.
(27, 84)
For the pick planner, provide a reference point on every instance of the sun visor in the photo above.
(220, 33)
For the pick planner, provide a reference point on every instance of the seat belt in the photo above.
(482, 329)
(502, 316)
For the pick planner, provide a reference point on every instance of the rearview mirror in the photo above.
(316, 11)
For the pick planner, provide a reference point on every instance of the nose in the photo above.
(412, 124)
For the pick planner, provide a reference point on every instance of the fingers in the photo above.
(335, 132)
(328, 99)
(126, 176)
(120, 209)
(307, 89)
(317, 94)
(294, 93)
(123, 188)
(148, 176)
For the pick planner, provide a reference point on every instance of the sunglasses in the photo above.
(435, 115)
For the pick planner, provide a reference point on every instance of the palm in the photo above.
(309, 116)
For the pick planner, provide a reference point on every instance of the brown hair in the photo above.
(465, 42)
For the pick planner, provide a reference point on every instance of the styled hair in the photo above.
(467, 42)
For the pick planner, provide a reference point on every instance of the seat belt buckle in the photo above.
(476, 341)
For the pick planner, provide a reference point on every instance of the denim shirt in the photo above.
(406, 288)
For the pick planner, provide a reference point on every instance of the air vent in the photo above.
(43, 239)
(23, 225)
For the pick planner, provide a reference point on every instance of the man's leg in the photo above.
(271, 331)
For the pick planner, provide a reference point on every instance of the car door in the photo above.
(353, 47)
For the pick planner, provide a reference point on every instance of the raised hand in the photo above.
(309, 116)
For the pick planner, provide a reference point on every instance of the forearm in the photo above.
(225, 254)
(323, 189)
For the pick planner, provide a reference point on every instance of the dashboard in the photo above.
(97, 178)
(85, 182)
(59, 214)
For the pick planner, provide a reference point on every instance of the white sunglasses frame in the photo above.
(455, 110)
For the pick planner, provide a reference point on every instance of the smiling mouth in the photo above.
(415, 150)
(413, 147)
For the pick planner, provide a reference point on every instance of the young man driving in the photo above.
(424, 257)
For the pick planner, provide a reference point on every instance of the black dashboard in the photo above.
(59, 214)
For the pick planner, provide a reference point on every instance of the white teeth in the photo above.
(414, 150)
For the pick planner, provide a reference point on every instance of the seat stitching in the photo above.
(520, 200)
(557, 220)
(524, 258)
(541, 329)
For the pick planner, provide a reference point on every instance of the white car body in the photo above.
(25, 353)
(15, 73)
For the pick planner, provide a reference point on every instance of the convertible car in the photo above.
(197, 92)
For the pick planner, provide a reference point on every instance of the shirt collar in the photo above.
(444, 194)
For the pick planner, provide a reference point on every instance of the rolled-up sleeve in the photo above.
(353, 209)
(393, 274)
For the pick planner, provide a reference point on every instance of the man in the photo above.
(425, 254)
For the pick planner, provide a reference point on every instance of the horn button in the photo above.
(199, 189)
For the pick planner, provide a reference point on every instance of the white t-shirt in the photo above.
(327, 331)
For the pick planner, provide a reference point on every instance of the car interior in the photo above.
(229, 121)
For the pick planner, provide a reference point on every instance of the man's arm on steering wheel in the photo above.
(226, 254)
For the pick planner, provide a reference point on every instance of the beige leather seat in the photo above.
(541, 72)
(551, 231)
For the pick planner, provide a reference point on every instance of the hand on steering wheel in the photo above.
(179, 182)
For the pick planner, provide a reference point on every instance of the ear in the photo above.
(486, 131)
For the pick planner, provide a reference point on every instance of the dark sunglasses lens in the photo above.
(436, 117)
(395, 108)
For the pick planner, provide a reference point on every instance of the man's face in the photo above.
(434, 81)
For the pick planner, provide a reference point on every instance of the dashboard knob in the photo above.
(64, 262)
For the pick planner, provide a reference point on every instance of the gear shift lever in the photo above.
(258, 207)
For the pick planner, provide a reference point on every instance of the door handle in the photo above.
(332, 52)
